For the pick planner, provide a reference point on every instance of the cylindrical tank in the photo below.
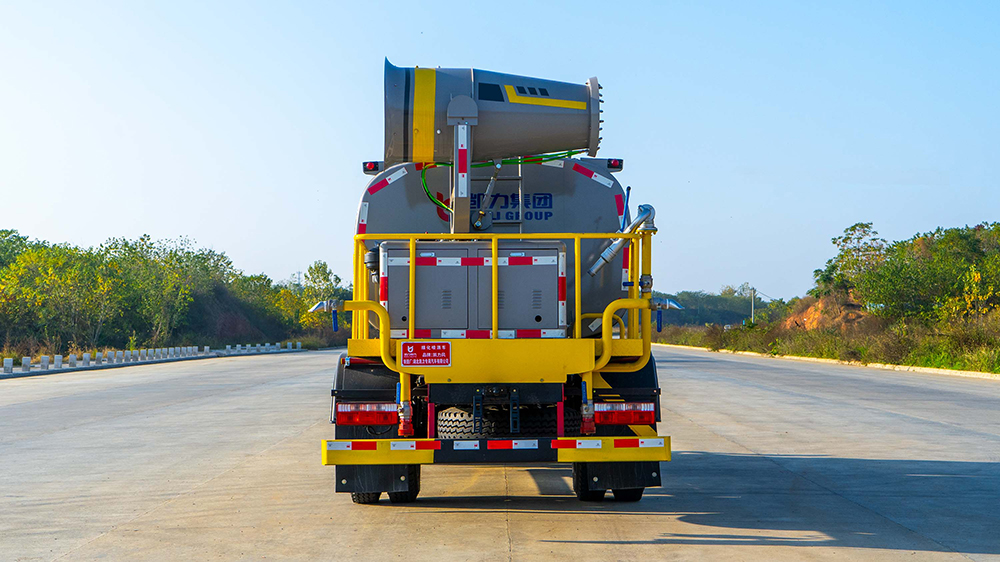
(518, 115)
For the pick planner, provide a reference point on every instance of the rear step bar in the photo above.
(488, 451)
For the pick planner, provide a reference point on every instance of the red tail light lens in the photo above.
(356, 413)
(624, 413)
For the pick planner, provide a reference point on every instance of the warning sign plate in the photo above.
(426, 354)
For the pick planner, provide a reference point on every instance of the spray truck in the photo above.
(502, 297)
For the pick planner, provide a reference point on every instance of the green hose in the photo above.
(519, 160)
(423, 182)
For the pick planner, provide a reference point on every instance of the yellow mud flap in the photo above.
(480, 451)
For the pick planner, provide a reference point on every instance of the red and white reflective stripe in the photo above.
(383, 280)
(431, 261)
(606, 182)
(465, 445)
(529, 334)
(625, 254)
(576, 444)
(420, 334)
(465, 334)
(351, 446)
(463, 160)
(415, 446)
(553, 163)
(620, 204)
(385, 182)
(561, 291)
(512, 444)
(363, 218)
(638, 443)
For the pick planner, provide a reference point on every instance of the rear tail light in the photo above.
(355, 413)
(624, 413)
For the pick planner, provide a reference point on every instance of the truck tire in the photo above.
(409, 496)
(457, 423)
(628, 494)
(580, 485)
(365, 497)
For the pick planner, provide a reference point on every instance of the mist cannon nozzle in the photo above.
(517, 115)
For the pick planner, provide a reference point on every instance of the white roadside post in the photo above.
(86, 359)
(229, 349)
(25, 364)
(289, 346)
(98, 358)
(72, 360)
(298, 345)
(207, 350)
(8, 365)
(128, 355)
(44, 362)
(58, 362)
(119, 357)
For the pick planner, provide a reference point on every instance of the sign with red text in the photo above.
(426, 354)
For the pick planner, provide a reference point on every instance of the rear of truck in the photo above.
(502, 303)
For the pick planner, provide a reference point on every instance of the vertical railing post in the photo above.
(495, 276)
(413, 288)
(577, 303)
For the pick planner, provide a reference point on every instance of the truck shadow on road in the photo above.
(743, 499)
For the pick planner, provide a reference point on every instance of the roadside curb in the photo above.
(883, 366)
(212, 355)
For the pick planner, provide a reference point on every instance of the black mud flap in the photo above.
(373, 478)
(620, 475)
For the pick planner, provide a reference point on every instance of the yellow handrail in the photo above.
(383, 328)
(606, 328)
(622, 327)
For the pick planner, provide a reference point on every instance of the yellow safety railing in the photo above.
(638, 265)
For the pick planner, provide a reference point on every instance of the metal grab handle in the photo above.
(646, 213)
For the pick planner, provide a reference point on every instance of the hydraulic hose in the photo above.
(646, 213)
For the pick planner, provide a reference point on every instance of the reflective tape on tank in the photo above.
(363, 218)
(620, 205)
(463, 161)
(386, 181)
(606, 182)
(625, 264)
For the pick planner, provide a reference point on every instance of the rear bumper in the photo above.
(490, 451)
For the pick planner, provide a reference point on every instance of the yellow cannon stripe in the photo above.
(424, 87)
(512, 97)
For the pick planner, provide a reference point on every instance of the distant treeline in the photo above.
(931, 300)
(731, 306)
(55, 298)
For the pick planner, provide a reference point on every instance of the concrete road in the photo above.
(774, 460)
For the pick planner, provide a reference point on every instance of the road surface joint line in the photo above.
(810, 480)
(221, 392)
(858, 404)
(823, 360)
(166, 502)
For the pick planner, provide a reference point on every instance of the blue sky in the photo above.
(758, 130)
